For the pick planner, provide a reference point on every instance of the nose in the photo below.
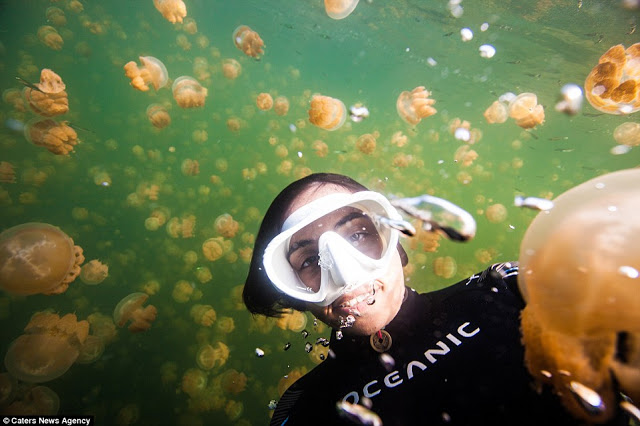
(336, 259)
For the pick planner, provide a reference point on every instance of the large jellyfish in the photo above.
(248, 41)
(415, 105)
(580, 266)
(51, 98)
(130, 309)
(37, 258)
(58, 138)
(172, 10)
(526, 110)
(48, 348)
(339, 9)
(612, 85)
(93, 272)
(151, 72)
(327, 113)
(188, 93)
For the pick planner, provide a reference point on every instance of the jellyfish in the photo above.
(194, 382)
(49, 37)
(214, 248)
(91, 350)
(182, 291)
(339, 9)
(188, 93)
(496, 113)
(172, 10)
(203, 315)
(526, 110)
(158, 116)
(264, 101)
(444, 266)
(103, 327)
(292, 320)
(248, 41)
(37, 401)
(130, 309)
(226, 226)
(465, 156)
(7, 172)
(37, 258)
(203, 274)
(281, 105)
(183, 42)
(233, 382)
(612, 85)
(48, 348)
(151, 72)
(206, 357)
(58, 138)
(366, 143)
(415, 105)
(55, 15)
(496, 213)
(46, 104)
(579, 266)
(231, 68)
(627, 134)
(327, 113)
(225, 325)
(190, 167)
(93, 272)
(233, 409)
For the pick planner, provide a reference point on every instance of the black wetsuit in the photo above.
(457, 360)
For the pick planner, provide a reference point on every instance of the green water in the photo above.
(372, 56)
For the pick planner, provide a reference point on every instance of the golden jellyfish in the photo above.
(445, 266)
(50, 82)
(194, 382)
(188, 93)
(93, 272)
(49, 37)
(339, 9)
(158, 116)
(526, 110)
(496, 213)
(292, 320)
(281, 105)
(233, 409)
(366, 143)
(226, 226)
(203, 274)
(48, 348)
(55, 15)
(37, 401)
(579, 272)
(264, 101)
(172, 10)
(233, 382)
(37, 258)
(217, 354)
(190, 167)
(46, 104)
(248, 41)
(151, 72)
(182, 291)
(130, 309)
(627, 134)
(225, 325)
(206, 357)
(415, 105)
(214, 248)
(203, 314)
(327, 113)
(91, 350)
(58, 138)
(612, 85)
(102, 326)
(496, 113)
(465, 156)
(231, 68)
(7, 172)
(234, 124)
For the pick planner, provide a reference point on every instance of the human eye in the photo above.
(309, 261)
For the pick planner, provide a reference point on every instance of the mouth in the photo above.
(358, 301)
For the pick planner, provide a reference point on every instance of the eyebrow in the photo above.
(303, 243)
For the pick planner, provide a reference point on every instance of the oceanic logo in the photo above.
(393, 379)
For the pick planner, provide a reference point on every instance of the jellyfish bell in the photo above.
(413, 106)
(57, 137)
(130, 309)
(37, 258)
(158, 116)
(46, 104)
(248, 41)
(188, 93)
(93, 272)
(172, 10)
(339, 9)
(627, 134)
(526, 111)
(496, 113)
(50, 82)
(327, 113)
(152, 71)
(579, 271)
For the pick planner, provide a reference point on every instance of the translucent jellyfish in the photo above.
(281, 105)
(496, 113)
(190, 167)
(225, 325)
(49, 37)
(206, 357)
(37, 258)
(327, 113)
(366, 143)
(248, 41)
(103, 327)
(339, 9)
(55, 15)
(496, 213)
(292, 320)
(203, 274)
(58, 138)
(182, 291)
(526, 110)
(39, 400)
(94, 272)
(612, 85)
(158, 116)
(190, 26)
(204, 315)
(48, 348)
(579, 269)
(415, 105)
(214, 248)
(7, 172)
(234, 124)
(91, 350)
(188, 93)
(194, 382)
(233, 382)
(233, 409)
(46, 104)
(231, 68)
(627, 134)
(172, 10)
(465, 156)
(445, 266)
(226, 226)
(130, 309)
(151, 72)
(264, 101)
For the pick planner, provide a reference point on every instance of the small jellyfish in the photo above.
(231, 69)
(49, 37)
(248, 41)
(233, 382)
(445, 266)
(612, 85)
(158, 116)
(327, 113)
(204, 315)
(188, 93)
(526, 110)
(194, 382)
(206, 358)
(214, 248)
(93, 272)
(627, 134)
(58, 138)
(496, 113)
(55, 15)
(496, 213)
(281, 105)
(339, 9)
(37, 258)
(172, 10)
(91, 350)
(366, 143)
(415, 105)
(7, 172)
(152, 71)
(264, 101)
(182, 291)
(226, 226)
(130, 309)
(190, 167)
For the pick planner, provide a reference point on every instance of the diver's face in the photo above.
(387, 290)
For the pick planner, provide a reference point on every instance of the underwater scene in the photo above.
(147, 138)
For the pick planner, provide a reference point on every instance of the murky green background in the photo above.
(370, 57)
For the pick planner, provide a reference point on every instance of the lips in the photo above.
(350, 301)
